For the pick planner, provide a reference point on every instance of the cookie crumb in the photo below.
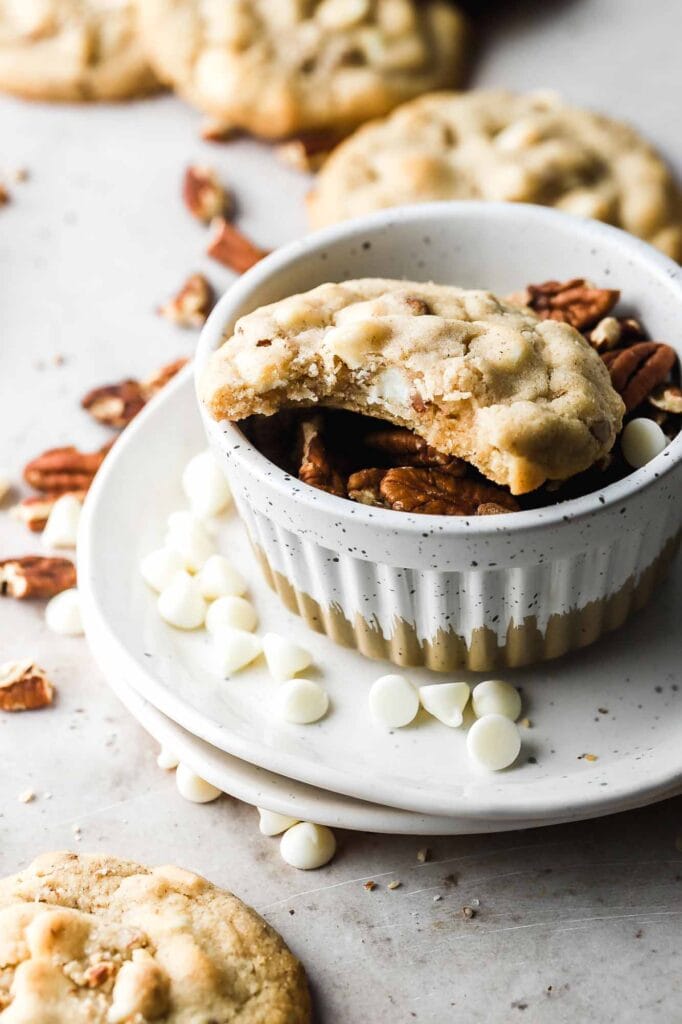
(423, 855)
(370, 885)
(468, 913)
(27, 796)
(395, 884)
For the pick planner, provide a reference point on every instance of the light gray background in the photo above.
(574, 923)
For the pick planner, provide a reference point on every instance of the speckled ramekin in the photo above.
(480, 593)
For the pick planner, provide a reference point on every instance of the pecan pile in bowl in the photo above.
(373, 462)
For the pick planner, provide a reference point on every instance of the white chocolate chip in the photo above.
(141, 990)
(5, 484)
(445, 701)
(353, 342)
(63, 613)
(495, 697)
(301, 701)
(167, 759)
(234, 648)
(159, 567)
(493, 741)
(189, 537)
(307, 846)
(284, 657)
(61, 529)
(233, 612)
(180, 603)
(204, 483)
(219, 578)
(641, 441)
(193, 787)
(273, 824)
(393, 701)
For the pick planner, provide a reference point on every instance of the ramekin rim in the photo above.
(271, 475)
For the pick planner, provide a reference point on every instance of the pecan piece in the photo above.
(637, 370)
(365, 486)
(158, 380)
(114, 405)
(491, 508)
(34, 512)
(432, 492)
(667, 398)
(233, 249)
(24, 686)
(64, 469)
(204, 195)
(192, 304)
(574, 302)
(36, 576)
(409, 449)
(316, 467)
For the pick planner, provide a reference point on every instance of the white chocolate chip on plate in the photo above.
(445, 701)
(284, 657)
(393, 701)
(493, 742)
(193, 787)
(205, 486)
(159, 567)
(219, 578)
(641, 441)
(234, 649)
(307, 846)
(180, 603)
(190, 538)
(495, 697)
(233, 612)
(301, 701)
(63, 613)
(273, 824)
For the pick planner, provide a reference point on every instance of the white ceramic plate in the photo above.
(632, 676)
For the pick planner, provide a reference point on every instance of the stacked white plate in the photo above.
(618, 701)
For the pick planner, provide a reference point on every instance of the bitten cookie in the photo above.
(521, 399)
(96, 940)
(500, 146)
(72, 50)
(278, 67)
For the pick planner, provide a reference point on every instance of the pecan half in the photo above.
(24, 686)
(667, 398)
(36, 576)
(115, 405)
(233, 249)
(204, 195)
(316, 467)
(192, 304)
(33, 512)
(432, 492)
(408, 449)
(574, 302)
(365, 486)
(637, 370)
(64, 469)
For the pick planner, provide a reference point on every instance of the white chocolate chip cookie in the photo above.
(278, 67)
(96, 940)
(521, 399)
(500, 146)
(72, 50)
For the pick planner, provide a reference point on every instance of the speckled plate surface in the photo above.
(619, 701)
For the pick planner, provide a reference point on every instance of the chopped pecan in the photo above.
(637, 370)
(33, 512)
(99, 973)
(204, 195)
(115, 405)
(417, 305)
(365, 486)
(574, 302)
(667, 398)
(192, 304)
(307, 152)
(4, 195)
(233, 249)
(64, 469)
(316, 467)
(24, 686)
(36, 576)
(409, 449)
(432, 492)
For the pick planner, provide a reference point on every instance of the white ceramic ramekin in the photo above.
(454, 592)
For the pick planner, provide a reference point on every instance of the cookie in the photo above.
(500, 146)
(523, 400)
(280, 67)
(106, 941)
(72, 50)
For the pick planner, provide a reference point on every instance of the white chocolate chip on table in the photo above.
(167, 760)
(393, 701)
(307, 846)
(192, 787)
(205, 485)
(273, 824)
(63, 613)
(61, 529)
